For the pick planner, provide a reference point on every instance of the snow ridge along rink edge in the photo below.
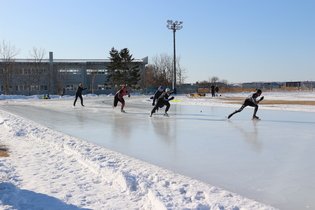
(82, 174)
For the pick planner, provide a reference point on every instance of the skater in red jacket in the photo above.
(119, 97)
(250, 101)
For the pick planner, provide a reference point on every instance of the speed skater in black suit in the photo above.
(250, 101)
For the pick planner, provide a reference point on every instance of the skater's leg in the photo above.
(156, 107)
(153, 110)
(255, 111)
(80, 96)
(168, 105)
(245, 104)
(115, 101)
(122, 101)
(75, 100)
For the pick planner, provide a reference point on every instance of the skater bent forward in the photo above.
(163, 100)
(119, 97)
(250, 101)
(157, 94)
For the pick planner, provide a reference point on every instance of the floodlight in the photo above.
(174, 26)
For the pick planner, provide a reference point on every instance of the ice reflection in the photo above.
(250, 133)
(165, 129)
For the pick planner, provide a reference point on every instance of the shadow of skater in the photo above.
(12, 196)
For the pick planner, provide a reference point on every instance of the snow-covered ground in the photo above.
(48, 169)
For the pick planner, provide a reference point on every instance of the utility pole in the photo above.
(174, 26)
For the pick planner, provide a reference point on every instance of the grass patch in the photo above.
(3, 151)
(238, 100)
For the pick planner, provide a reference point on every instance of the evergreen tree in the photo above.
(122, 70)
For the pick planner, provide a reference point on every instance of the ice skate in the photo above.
(255, 118)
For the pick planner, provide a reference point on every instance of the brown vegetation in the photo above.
(239, 89)
(239, 100)
(3, 151)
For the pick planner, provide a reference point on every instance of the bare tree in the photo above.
(161, 69)
(214, 80)
(19, 77)
(38, 68)
(26, 77)
(92, 74)
(7, 54)
(148, 80)
(226, 84)
(181, 72)
(59, 77)
(204, 84)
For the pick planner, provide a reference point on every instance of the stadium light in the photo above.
(174, 26)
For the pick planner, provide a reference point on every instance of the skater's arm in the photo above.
(166, 98)
(261, 98)
(253, 98)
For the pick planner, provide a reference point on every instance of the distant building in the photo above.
(59, 76)
(293, 84)
(187, 88)
(262, 85)
(308, 84)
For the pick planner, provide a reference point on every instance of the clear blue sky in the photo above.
(236, 40)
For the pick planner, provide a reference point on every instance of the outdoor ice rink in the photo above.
(271, 161)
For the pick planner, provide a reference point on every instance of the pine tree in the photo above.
(122, 70)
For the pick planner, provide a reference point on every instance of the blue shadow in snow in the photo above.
(11, 195)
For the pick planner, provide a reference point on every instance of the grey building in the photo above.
(262, 85)
(56, 76)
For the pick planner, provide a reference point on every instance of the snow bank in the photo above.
(68, 173)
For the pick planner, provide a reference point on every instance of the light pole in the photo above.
(174, 26)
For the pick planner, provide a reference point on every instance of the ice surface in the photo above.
(269, 160)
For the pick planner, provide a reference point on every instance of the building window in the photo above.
(69, 87)
(95, 71)
(101, 87)
(43, 87)
(70, 71)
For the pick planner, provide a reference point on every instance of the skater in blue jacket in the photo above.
(250, 101)
(157, 94)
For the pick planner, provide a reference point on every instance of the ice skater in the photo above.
(217, 91)
(79, 94)
(213, 90)
(119, 97)
(157, 94)
(163, 100)
(250, 101)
